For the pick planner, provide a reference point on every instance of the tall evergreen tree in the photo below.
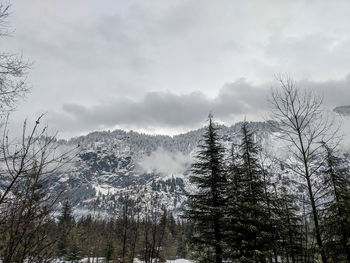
(289, 229)
(336, 222)
(74, 251)
(65, 225)
(205, 208)
(248, 232)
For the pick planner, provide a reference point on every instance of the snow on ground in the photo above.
(179, 260)
(102, 260)
(84, 260)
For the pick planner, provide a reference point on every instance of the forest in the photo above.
(238, 213)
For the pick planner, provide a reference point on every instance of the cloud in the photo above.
(165, 163)
(166, 109)
(309, 52)
(161, 63)
(335, 92)
(233, 102)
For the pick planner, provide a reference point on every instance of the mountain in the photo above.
(343, 110)
(111, 166)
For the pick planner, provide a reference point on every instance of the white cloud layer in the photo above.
(138, 60)
(165, 163)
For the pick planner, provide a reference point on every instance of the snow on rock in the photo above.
(112, 166)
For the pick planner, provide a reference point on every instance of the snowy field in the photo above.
(180, 260)
(102, 260)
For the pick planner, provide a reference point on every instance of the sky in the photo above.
(161, 66)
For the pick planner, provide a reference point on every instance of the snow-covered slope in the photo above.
(114, 165)
(343, 110)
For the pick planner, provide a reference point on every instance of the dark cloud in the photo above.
(233, 102)
(165, 109)
(334, 92)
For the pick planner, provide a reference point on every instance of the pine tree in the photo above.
(234, 214)
(248, 230)
(183, 238)
(271, 204)
(289, 228)
(74, 250)
(336, 222)
(65, 224)
(205, 208)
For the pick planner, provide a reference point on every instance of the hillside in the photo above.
(114, 165)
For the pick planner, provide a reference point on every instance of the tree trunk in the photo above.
(311, 196)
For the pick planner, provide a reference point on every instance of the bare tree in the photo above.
(304, 125)
(13, 69)
(26, 167)
(137, 220)
(26, 200)
(153, 229)
(19, 158)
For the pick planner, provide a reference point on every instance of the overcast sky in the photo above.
(160, 66)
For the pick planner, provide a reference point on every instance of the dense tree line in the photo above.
(152, 238)
(239, 214)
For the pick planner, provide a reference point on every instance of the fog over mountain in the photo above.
(115, 163)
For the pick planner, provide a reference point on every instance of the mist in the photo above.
(165, 163)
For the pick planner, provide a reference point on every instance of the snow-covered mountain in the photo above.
(343, 110)
(114, 165)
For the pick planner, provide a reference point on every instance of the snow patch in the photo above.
(179, 260)
(103, 189)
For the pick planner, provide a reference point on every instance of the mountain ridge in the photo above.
(342, 110)
(113, 164)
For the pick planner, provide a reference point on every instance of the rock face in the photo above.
(114, 165)
(343, 110)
